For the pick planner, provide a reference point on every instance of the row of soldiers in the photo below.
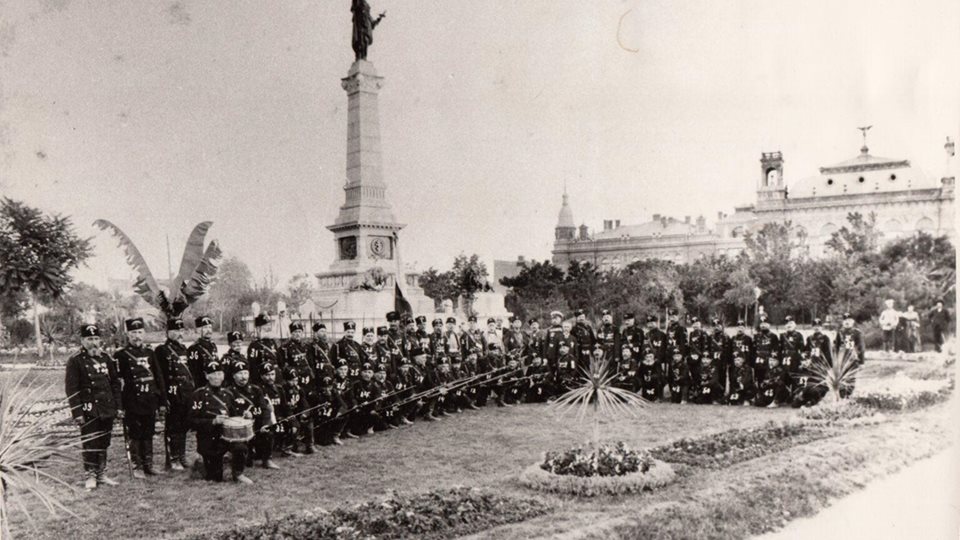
(307, 392)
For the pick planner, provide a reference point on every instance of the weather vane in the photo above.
(864, 130)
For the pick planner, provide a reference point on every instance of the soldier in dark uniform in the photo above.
(567, 359)
(422, 334)
(262, 350)
(404, 383)
(452, 342)
(266, 439)
(343, 386)
(388, 412)
(551, 345)
(818, 344)
(708, 387)
(491, 335)
(293, 354)
(318, 353)
(742, 385)
(369, 349)
(232, 357)
(347, 352)
(650, 376)
(394, 335)
(940, 323)
(608, 336)
(720, 353)
(388, 349)
(766, 345)
(472, 337)
(850, 340)
(656, 341)
(632, 335)
(807, 388)
(791, 347)
(741, 344)
(626, 369)
(773, 388)
(331, 423)
(698, 344)
(144, 395)
(211, 405)
(251, 398)
(676, 332)
(93, 389)
(679, 377)
(424, 378)
(172, 359)
(535, 340)
(539, 386)
(515, 341)
(586, 337)
(203, 351)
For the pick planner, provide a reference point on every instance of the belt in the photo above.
(144, 379)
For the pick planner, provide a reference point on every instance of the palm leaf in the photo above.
(145, 286)
(203, 276)
(192, 256)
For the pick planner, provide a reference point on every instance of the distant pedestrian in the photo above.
(940, 322)
(889, 319)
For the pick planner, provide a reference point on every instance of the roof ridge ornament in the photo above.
(864, 129)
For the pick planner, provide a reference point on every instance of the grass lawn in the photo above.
(488, 448)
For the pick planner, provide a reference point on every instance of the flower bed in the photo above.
(902, 393)
(607, 460)
(437, 514)
(656, 474)
(726, 448)
(844, 413)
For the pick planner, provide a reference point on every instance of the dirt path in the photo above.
(921, 501)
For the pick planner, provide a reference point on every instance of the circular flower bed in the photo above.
(844, 413)
(608, 470)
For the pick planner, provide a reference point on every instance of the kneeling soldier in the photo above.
(773, 389)
(650, 376)
(807, 390)
(212, 404)
(252, 399)
(143, 396)
(742, 386)
(93, 390)
(679, 377)
(709, 387)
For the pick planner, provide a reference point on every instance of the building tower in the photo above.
(565, 229)
(771, 191)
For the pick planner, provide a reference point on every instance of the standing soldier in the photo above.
(318, 353)
(676, 332)
(143, 396)
(551, 345)
(720, 351)
(453, 344)
(395, 337)
(211, 405)
(650, 376)
(698, 343)
(585, 336)
(293, 355)
(423, 336)
(262, 350)
(472, 337)
(203, 351)
(657, 344)
(515, 341)
(388, 350)
(172, 357)
(252, 399)
(940, 322)
(491, 335)
(632, 335)
(93, 390)
(766, 345)
(608, 336)
(850, 340)
(791, 347)
(567, 358)
(347, 352)
(679, 377)
(232, 357)
(741, 344)
(535, 341)
(818, 344)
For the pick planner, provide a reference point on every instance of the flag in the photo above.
(400, 304)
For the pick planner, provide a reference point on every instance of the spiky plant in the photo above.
(598, 394)
(837, 376)
(33, 441)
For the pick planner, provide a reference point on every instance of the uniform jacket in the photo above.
(199, 355)
(92, 386)
(143, 388)
(852, 339)
(632, 336)
(791, 349)
(261, 351)
(177, 378)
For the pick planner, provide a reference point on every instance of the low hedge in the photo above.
(843, 413)
(436, 514)
(656, 474)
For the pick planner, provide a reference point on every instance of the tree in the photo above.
(226, 297)
(37, 255)
(582, 286)
(469, 277)
(299, 290)
(535, 290)
(742, 291)
(860, 238)
(438, 285)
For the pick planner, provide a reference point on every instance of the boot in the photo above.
(146, 455)
(269, 464)
(136, 460)
(90, 483)
(102, 478)
(242, 479)
(336, 440)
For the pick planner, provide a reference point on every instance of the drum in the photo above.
(237, 429)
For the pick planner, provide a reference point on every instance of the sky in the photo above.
(159, 115)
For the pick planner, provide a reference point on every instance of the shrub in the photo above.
(845, 413)
(654, 475)
(902, 393)
(436, 514)
(606, 460)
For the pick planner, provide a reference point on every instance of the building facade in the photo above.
(902, 197)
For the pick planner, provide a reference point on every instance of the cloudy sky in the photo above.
(157, 115)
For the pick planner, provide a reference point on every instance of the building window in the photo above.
(861, 180)
(893, 177)
(829, 181)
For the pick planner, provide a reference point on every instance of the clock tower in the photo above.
(771, 193)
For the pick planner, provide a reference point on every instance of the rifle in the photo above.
(481, 378)
(126, 447)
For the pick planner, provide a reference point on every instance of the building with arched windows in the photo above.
(902, 198)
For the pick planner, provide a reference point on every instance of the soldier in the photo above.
(741, 344)
(366, 418)
(766, 345)
(676, 332)
(472, 337)
(388, 349)
(535, 340)
(515, 342)
(294, 407)
(656, 342)
(567, 359)
(698, 343)
(410, 340)
(551, 344)
(453, 344)
(343, 386)
(172, 358)
(251, 398)
(388, 412)
(93, 390)
(818, 343)
(626, 369)
(719, 352)
(232, 357)
(492, 335)
(422, 334)
(650, 376)
(293, 355)
(262, 350)
(394, 335)
(791, 347)
(404, 384)
(679, 377)
(266, 439)
(369, 349)
(632, 335)
(940, 323)
(347, 352)
(204, 350)
(318, 353)
(742, 386)
(211, 405)
(608, 336)
(143, 396)
(807, 388)
(424, 379)
(586, 337)
(850, 340)
(708, 388)
(773, 388)
(332, 406)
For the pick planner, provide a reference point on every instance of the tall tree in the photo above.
(299, 290)
(37, 255)
(438, 285)
(858, 238)
(470, 277)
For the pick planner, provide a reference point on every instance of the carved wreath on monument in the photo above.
(373, 279)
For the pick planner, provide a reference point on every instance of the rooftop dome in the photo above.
(565, 219)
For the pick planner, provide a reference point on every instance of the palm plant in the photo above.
(32, 444)
(198, 270)
(838, 375)
(598, 394)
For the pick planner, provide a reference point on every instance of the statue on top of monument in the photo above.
(363, 26)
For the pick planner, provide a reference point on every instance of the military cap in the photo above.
(175, 323)
(326, 381)
(89, 330)
(368, 330)
(716, 321)
(261, 320)
(694, 320)
(533, 320)
(676, 351)
(788, 318)
(604, 312)
(437, 322)
(556, 314)
(452, 320)
(817, 322)
(135, 323)
(578, 313)
(740, 322)
(628, 316)
(494, 346)
(407, 320)
(367, 366)
(491, 320)
(404, 361)
(443, 361)
(202, 321)
(296, 325)
(847, 316)
(267, 367)
(382, 330)
(763, 315)
(421, 319)
(598, 346)
(651, 318)
(290, 374)
(212, 366)
(318, 327)
(416, 351)
(381, 368)
(349, 325)
(240, 365)
(512, 318)
(234, 336)
(393, 316)
(472, 318)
